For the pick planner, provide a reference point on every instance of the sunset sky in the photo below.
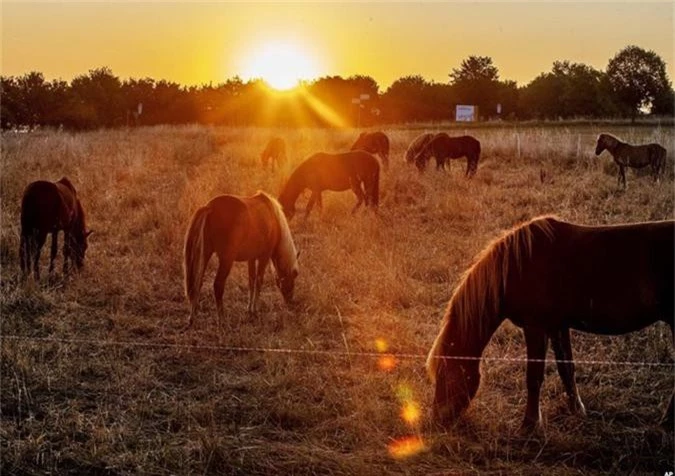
(198, 42)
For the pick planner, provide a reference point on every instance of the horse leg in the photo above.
(563, 355)
(622, 176)
(39, 243)
(54, 250)
(66, 252)
(669, 415)
(537, 342)
(251, 286)
(24, 255)
(259, 277)
(310, 204)
(224, 267)
(360, 195)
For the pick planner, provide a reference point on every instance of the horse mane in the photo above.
(286, 253)
(609, 141)
(481, 286)
(65, 181)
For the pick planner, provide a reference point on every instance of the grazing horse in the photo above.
(49, 207)
(375, 143)
(443, 147)
(357, 170)
(549, 276)
(416, 146)
(251, 229)
(274, 153)
(636, 156)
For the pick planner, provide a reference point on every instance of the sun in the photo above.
(280, 64)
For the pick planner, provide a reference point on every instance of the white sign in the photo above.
(356, 101)
(499, 108)
(465, 113)
(364, 97)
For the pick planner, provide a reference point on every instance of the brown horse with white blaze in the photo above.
(636, 156)
(50, 207)
(252, 229)
(357, 170)
(549, 276)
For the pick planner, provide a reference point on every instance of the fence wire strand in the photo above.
(320, 352)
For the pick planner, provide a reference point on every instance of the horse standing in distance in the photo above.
(274, 153)
(549, 276)
(251, 229)
(636, 156)
(375, 143)
(357, 170)
(443, 148)
(417, 145)
(49, 207)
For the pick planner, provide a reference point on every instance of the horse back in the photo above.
(607, 279)
(47, 207)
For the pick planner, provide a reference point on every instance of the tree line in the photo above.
(634, 83)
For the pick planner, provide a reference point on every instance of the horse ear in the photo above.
(88, 232)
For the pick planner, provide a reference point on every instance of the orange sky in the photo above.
(196, 42)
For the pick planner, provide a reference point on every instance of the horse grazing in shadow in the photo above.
(251, 229)
(49, 207)
(549, 276)
(274, 153)
(443, 148)
(636, 156)
(375, 143)
(357, 170)
(416, 146)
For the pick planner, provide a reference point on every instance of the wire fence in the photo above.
(320, 352)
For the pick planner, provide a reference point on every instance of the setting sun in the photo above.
(279, 64)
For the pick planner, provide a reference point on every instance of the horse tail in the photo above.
(197, 253)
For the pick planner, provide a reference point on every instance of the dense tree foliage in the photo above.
(635, 82)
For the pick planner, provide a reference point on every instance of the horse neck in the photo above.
(284, 256)
(469, 338)
(294, 186)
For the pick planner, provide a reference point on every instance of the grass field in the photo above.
(102, 379)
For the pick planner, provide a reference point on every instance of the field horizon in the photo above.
(97, 375)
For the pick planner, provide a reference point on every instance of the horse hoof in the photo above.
(531, 429)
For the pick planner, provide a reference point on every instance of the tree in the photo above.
(637, 77)
(477, 82)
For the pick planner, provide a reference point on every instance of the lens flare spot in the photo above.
(406, 447)
(381, 345)
(387, 363)
(404, 392)
(410, 413)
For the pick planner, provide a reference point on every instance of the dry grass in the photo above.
(115, 387)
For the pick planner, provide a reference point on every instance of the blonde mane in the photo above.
(479, 290)
(286, 253)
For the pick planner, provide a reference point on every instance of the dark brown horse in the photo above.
(375, 143)
(49, 207)
(251, 229)
(357, 170)
(274, 153)
(443, 148)
(548, 276)
(636, 156)
(416, 146)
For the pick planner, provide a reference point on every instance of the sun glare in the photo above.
(281, 65)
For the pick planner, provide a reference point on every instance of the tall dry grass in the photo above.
(106, 383)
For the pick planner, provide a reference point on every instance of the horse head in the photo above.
(605, 141)
(286, 284)
(457, 382)
(77, 242)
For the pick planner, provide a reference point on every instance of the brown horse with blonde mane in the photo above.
(251, 229)
(274, 153)
(357, 170)
(417, 145)
(375, 143)
(636, 156)
(49, 207)
(549, 276)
